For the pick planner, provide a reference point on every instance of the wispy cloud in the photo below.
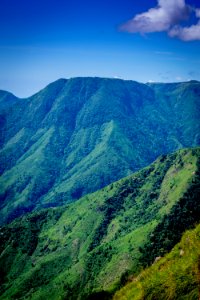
(166, 16)
(193, 73)
(179, 78)
(167, 53)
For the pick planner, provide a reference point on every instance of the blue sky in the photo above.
(43, 40)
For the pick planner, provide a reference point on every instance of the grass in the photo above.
(175, 276)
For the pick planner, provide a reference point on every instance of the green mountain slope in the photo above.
(176, 276)
(81, 134)
(89, 248)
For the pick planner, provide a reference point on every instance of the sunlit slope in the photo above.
(92, 246)
(176, 276)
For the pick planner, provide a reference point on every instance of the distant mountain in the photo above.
(78, 135)
(90, 248)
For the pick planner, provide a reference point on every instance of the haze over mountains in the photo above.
(78, 135)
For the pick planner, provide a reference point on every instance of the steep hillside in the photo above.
(89, 248)
(78, 135)
(176, 276)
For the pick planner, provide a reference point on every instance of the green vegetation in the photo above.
(175, 276)
(169, 231)
(91, 248)
(79, 135)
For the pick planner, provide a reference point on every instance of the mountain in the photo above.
(78, 135)
(181, 282)
(89, 248)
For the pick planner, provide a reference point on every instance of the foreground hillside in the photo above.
(81, 134)
(90, 247)
(176, 276)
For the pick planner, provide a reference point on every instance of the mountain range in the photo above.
(86, 211)
(76, 136)
(103, 245)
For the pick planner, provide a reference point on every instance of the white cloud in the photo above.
(197, 11)
(179, 78)
(186, 34)
(160, 18)
(166, 16)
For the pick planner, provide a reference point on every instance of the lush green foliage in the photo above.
(88, 249)
(169, 231)
(174, 277)
(77, 136)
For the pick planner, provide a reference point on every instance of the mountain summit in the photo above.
(78, 135)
